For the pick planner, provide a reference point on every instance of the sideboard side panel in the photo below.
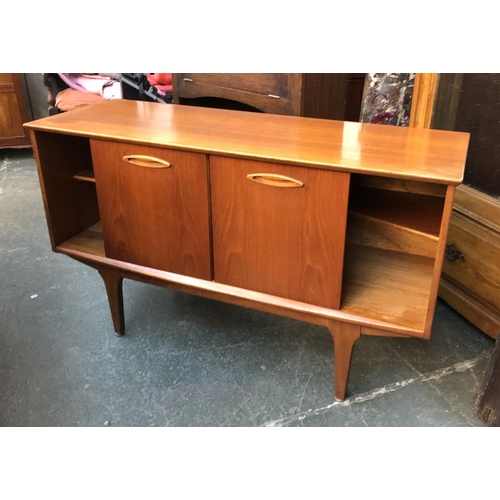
(70, 205)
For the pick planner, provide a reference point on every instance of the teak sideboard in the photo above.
(339, 224)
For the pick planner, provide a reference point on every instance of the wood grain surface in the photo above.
(409, 210)
(378, 233)
(400, 152)
(284, 241)
(155, 217)
(472, 285)
(387, 286)
(70, 205)
(14, 111)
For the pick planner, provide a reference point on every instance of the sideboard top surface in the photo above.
(433, 155)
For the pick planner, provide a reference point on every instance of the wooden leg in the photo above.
(113, 281)
(344, 337)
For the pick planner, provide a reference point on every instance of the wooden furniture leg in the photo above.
(344, 336)
(113, 281)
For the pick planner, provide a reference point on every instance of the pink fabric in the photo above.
(95, 84)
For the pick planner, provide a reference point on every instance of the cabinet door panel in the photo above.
(154, 213)
(13, 111)
(271, 236)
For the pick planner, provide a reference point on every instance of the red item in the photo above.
(162, 81)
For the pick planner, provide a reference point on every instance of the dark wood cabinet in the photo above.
(13, 111)
(317, 95)
(471, 272)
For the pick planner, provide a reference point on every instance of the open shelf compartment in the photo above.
(88, 241)
(71, 206)
(391, 247)
(389, 286)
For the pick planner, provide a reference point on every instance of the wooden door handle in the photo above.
(146, 161)
(275, 180)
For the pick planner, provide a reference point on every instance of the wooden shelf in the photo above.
(382, 285)
(370, 231)
(417, 212)
(85, 175)
(88, 241)
(387, 286)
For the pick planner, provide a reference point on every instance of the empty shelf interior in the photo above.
(88, 241)
(386, 285)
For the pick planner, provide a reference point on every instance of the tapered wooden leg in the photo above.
(113, 281)
(344, 337)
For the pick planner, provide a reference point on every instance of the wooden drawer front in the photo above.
(154, 215)
(479, 271)
(284, 241)
(268, 92)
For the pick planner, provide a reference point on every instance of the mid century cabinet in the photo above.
(340, 224)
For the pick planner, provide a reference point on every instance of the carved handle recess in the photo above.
(275, 180)
(146, 161)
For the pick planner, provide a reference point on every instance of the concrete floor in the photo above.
(189, 361)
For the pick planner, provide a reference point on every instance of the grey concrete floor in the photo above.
(189, 361)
